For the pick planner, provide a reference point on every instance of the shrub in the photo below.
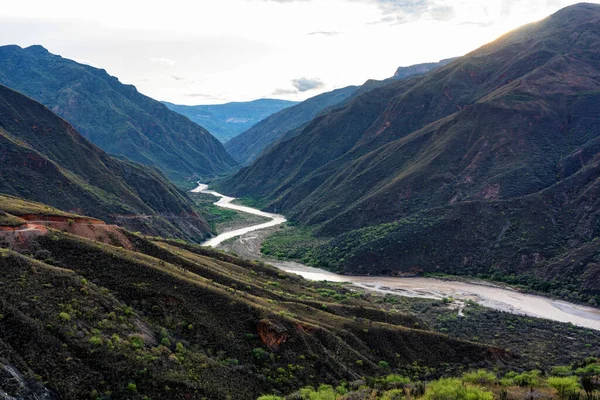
(454, 389)
(64, 316)
(481, 377)
(564, 385)
(525, 379)
(394, 394)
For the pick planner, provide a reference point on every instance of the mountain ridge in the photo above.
(113, 115)
(45, 159)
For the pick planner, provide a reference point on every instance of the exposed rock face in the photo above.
(272, 333)
(13, 385)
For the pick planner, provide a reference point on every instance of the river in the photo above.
(495, 297)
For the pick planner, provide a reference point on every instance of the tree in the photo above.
(454, 389)
(564, 385)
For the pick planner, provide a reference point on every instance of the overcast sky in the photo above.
(214, 51)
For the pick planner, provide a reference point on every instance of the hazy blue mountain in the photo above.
(226, 121)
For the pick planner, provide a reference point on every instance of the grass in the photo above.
(10, 220)
(17, 206)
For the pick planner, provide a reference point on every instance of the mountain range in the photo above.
(226, 121)
(114, 116)
(487, 164)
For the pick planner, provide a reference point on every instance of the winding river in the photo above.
(488, 295)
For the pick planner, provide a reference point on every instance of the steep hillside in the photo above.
(134, 318)
(226, 121)
(114, 116)
(43, 158)
(511, 119)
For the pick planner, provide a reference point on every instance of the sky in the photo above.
(216, 51)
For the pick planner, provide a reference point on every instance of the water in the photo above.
(495, 297)
(226, 202)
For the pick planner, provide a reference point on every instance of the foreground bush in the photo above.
(454, 389)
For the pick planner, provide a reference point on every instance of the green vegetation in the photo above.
(290, 243)
(477, 385)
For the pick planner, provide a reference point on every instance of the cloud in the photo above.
(442, 13)
(163, 61)
(306, 84)
(283, 92)
(324, 33)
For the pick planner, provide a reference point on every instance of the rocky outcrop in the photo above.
(272, 333)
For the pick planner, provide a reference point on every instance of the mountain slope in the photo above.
(114, 116)
(43, 158)
(226, 121)
(494, 125)
(163, 319)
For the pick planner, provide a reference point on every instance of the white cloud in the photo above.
(163, 61)
(245, 49)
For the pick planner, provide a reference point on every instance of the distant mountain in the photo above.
(286, 124)
(246, 147)
(43, 158)
(491, 162)
(114, 116)
(226, 121)
(419, 69)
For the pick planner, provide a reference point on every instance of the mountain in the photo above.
(114, 116)
(90, 310)
(488, 164)
(419, 69)
(286, 124)
(43, 158)
(247, 146)
(226, 121)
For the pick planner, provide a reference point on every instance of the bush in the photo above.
(525, 379)
(564, 385)
(395, 394)
(481, 377)
(454, 389)
(324, 392)
(64, 316)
